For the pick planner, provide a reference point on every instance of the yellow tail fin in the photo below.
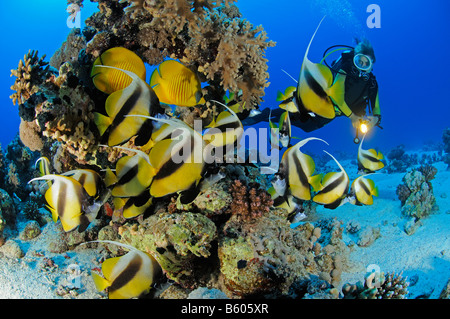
(314, 181)
(100, 282)
(102, 122)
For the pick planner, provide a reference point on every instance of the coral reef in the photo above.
(30, 74)
(7, 211)
(446, 140)
(249, 203)
(416, 192)
(377, 286)
(18, 162)
(208, 36)
(175, 240)
(400, 161)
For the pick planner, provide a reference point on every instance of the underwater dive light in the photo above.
(363, 128)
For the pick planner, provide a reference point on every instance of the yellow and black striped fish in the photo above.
(43, 165)
(133, 174)
(225, 130)
(334, 188)
(363, 189)
(274, 133)
(233, 101)
(178, 163)
(134, 206)
(297, 168)
(287, 201)
(316, 91)
(109, 80)
(136, 98)
(128, 276)
(165, 131)
(287, 99)
(67, 199)
(176, 84)
(285, 129)
(89, 179)
(369, 160)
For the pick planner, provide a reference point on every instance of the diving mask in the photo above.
(363, 62)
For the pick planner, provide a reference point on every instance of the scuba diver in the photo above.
(354, 70)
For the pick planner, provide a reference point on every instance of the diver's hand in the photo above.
(355, 120)
(372, 121)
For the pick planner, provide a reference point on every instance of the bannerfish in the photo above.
(67, 199)
(225, 130)
(127, 276)
(316, 91)
(274, 133)
(134, 206)
(334, 187)
(288, 202)
(89, 179)
(369, 160)
(43, 165)
(136, 98)
(176, 84)
(110, 80)
(297, 168)
(177, 162)
(165, 131)
(287, 99)
(133, 174)
(363, 189)
(233, 102)
(285, 129)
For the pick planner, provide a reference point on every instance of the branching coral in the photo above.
(378, 286)
(249, 202)
(67, 117)
(30, 73)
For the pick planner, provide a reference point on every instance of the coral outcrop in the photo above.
(177, 241)
(7, 212)
(209, 36)
(416, 192)
(446, 140)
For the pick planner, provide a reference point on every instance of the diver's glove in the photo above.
(373, 121)
(356, 120)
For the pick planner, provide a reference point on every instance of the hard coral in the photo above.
(420, 202)
(175, 240)
(30, 73)
(205, 35)
(377, 286)
(249, 202)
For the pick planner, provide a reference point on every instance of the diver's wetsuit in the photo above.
(360, 91)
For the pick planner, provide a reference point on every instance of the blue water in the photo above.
(411, 47)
